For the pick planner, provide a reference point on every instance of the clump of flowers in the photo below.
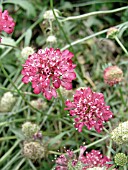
(26, 52)
(120, 134)
(92, 159)
(121, 159)
(89, 109)
(7, 102)
(33, 150)
(30, 130)
(113, 75)
(48, 70)
(7, 23)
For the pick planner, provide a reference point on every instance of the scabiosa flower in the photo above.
(121, 159)
(95, 159)
(113, 75)
(6, 22)
(89, 109)
(48, 70)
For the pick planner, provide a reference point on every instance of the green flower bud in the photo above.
(26, 52)
(7, 102)
(112, 32)
(33, 150)
(120, 134)
(29, 129)
(120, 159)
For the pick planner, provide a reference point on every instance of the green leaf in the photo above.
(28, 37)
(25, 5)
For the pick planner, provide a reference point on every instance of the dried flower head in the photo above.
(112, 32)
(89, 109)
(93, 159)
(48, 70)
(113, 75)
(33, 150)
(49, 15)
(39, 104)
(121, 159)
(51, 39)
(6, 22)
(26, 52)
(30, 129)
(120, 134)
(7, 102)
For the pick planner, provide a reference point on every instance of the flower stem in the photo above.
(62, 99)
(121, 45)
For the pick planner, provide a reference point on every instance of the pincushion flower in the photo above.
(6, 22)
(89, 109)
(70, 161)
(113, 75)
(49, 69)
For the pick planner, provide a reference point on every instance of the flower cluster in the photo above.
(120, 133)
(89, 109)
(90, 160)
(48, 70)
(6, 22)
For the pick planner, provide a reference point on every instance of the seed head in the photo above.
(51, 39)
(112, 32)
(33, 150)
(49, 15)
(26, 52)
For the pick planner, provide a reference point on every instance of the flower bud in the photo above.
(33, 150)
(7, 102)
(112, 32)
(120, 159)
(51, 39)
(26, 52)
(30, 129)
(113, 75)
(120, 134)
(49, 14)
(39, 104)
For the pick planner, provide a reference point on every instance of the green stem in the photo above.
(121, 45)
(94, 143)
(90, 36)
(94, 13)
(8, 45)
(7, 138)
(125, 167)
(62, 99)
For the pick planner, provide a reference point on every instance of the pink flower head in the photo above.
(48, 70)
(6, 22)
(63, 160)
(89, 109)
(113, 75)
(95, 159)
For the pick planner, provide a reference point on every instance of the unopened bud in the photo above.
(113, 75)
(121, 159)
(112, 32)
(49, 15)
(7, 102)
(26, 52)
(51, 39)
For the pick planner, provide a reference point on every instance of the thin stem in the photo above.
(121, 45)
(125, 167)
(94, 143)
(90, 36)
(94, 13)
(8, 45)
(62, 99)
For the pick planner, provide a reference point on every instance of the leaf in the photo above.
(25, 5)
(7, 41)
(28, 37)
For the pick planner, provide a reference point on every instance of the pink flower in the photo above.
(89, 109)
(113, 75)
(83, 162)
(95, 159)
(48, 70)
(6, 22)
